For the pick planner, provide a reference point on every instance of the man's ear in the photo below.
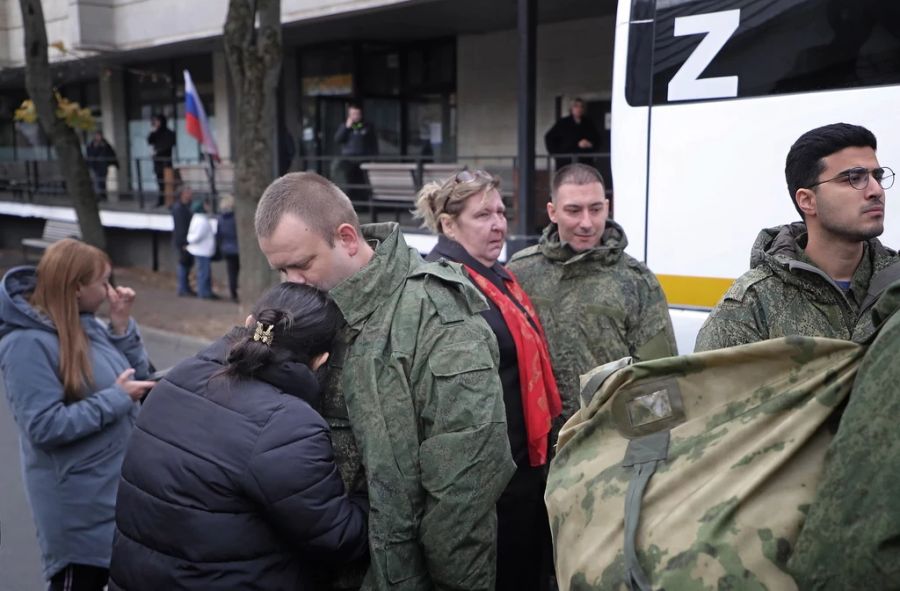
(249, 321)
(551, 211)
(347, 236)
(806, 201)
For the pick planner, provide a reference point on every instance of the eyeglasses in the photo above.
(859, 177)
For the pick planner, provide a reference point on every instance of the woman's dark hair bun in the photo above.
(304, 322)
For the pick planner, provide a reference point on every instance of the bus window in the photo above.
(777, 47)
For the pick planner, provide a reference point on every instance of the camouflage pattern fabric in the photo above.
(423, 398)
(596, 306)
(748, 432)
(849, 540)
(784, 294)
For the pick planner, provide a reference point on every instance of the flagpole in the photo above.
(211, 173)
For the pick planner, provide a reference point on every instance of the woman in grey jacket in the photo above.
(69, 384)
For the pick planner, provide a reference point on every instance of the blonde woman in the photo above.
(69, 382)
(469, 217)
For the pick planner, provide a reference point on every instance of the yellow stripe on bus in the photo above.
(703, 292)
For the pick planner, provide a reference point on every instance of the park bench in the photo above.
(438, 171)
(393, 184)
(54, 230)
(48, 178)
(14, 177)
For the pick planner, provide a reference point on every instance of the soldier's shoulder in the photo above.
(526, 256)
(750, 283)
(446, 287)
(637, 271)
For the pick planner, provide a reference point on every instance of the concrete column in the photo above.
(223, 106)
(114, 124)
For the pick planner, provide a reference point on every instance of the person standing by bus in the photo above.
(818, 277)
(597, 304)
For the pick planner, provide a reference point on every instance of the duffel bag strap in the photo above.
(643, 456)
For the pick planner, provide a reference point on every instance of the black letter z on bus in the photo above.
(686, 84)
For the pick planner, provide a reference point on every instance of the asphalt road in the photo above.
(20, 568)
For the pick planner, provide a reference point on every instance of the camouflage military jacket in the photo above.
(596, 306)
(785, 294)
(849, 538)
(424, 401)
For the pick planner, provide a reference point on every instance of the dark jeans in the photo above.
(185, 262)
(204, 277)
(524, 545)
(99, 179)
(233, 264)
(79, 577)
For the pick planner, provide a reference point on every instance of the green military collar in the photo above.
(783, 248)
(360, 294)
(608, 252)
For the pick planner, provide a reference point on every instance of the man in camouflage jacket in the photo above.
(596, 303)
(821, 277)
(785, 293)
(417, 372)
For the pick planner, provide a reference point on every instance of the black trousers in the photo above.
(524, 545)
(80, 577)
(159, 167)
(233, 264)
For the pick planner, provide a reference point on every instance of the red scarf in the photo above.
(540, 396)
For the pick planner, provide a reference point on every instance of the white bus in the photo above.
(708, 96)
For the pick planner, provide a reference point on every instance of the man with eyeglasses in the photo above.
(819, 277)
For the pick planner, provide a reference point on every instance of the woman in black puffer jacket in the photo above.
(229, 480)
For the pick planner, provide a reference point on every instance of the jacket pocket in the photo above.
(460, 358)
(466, 392)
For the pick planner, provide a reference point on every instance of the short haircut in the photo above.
(310, 197)
(804, 161)
(577, 99)
(575, 174)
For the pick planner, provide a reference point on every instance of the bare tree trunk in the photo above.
(62, 137)
(254, 60)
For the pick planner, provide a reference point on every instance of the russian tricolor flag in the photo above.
(195, 119)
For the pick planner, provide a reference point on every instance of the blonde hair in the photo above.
(65, 266)
(226, 202)
(312, 198)
(449, 196)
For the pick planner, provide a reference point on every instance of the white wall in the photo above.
(103, 25)
(573, 58)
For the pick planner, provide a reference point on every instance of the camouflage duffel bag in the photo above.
(695, 472)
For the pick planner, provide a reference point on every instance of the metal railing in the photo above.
(365, 179)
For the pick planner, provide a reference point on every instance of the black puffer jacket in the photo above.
(231, 485)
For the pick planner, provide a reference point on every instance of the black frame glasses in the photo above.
(858, 177)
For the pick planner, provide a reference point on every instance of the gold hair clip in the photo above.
(263, 335)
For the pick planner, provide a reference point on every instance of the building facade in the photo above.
(436, 78)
